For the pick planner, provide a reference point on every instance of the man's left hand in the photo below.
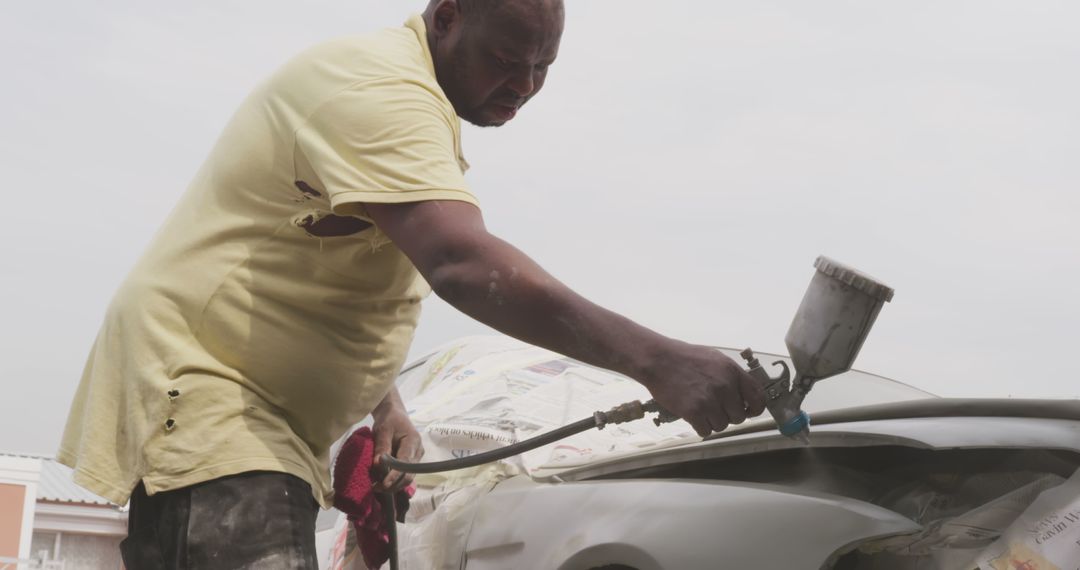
(395, 434)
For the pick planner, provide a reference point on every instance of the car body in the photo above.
(893, 478)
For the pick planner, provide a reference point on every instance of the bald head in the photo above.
(492, 56)
(482, 8)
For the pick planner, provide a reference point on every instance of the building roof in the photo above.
(56, 485)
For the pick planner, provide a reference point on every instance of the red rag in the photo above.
(353, 496)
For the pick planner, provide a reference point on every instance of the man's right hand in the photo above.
(498, 285)
(702, 386)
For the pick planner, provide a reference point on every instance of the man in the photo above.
(276, 305)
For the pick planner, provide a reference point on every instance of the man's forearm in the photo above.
(503, 288)
(493, 282)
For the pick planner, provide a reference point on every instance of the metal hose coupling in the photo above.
(631, 411)
(662, 416)
(622, 413)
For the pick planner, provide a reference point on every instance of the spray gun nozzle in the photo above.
(797, 424)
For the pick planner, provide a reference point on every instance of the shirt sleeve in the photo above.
(384, 141)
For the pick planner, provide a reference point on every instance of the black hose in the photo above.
(579, 426)
(386, 500)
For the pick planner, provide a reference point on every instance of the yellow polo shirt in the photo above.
(268, 315)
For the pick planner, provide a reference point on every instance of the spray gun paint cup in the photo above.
(834, 318)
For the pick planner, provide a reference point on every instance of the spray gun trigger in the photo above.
(785, 375)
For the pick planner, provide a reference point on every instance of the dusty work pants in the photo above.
(252, 520)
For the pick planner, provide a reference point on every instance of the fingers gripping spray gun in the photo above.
(835, 315)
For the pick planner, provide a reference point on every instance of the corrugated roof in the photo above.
(56, 483)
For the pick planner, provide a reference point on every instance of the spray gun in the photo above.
(829, 328)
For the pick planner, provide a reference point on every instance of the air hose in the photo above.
(622, 413)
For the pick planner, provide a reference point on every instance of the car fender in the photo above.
(656, 524)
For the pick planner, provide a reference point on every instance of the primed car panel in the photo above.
(571, 523)
(657, 524)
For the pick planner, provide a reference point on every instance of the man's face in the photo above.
(489, 65)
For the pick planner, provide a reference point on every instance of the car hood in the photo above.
(932, 423)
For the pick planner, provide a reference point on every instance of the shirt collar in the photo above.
(416, 24)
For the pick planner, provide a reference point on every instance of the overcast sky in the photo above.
(685, 164)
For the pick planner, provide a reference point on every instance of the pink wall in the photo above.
(11, 515)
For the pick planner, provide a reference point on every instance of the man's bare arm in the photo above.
(498, 285)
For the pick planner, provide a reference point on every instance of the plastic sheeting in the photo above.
(1031, 523)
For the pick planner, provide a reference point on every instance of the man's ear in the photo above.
(447, 15)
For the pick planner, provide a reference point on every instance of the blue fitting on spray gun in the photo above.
(796, 424)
